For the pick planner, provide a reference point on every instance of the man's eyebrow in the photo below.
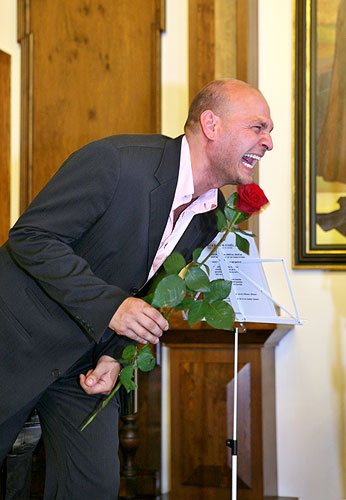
(266, 125)
(262, 123)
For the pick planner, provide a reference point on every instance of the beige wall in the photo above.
(310, 367)
(311, 360)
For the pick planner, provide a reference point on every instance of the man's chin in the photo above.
(245, 175)
(246, 179)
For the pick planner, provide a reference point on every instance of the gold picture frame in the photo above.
(319, 112)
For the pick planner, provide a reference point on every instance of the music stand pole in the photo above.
(232, 443)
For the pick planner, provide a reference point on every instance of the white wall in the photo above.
(310, 361)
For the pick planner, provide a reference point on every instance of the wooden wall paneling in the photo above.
(95, 72)
(270, 473)
(242, 40)
(157, 28)
(25, 38)
(252, 42)
(219, 49)
(225, 39)
(201, 419)
(5, 137)
(201, 44)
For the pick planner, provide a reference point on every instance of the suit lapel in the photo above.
(161, 198)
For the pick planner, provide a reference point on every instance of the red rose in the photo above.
(251, 198)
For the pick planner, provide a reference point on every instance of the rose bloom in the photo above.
(251, 198)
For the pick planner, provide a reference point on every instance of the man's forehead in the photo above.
(247, 117)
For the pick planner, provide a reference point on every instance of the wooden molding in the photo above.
(5, 137)
(242, 40)
(26, 40)
(157, 28)
(201, 44)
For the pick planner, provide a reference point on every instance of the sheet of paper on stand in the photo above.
(250, 295)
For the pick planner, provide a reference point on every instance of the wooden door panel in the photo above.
(202, 406)
(93, 68)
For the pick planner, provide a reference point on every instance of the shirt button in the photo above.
(55, 373)
(133, 290)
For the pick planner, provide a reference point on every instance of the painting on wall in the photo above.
(320, 134)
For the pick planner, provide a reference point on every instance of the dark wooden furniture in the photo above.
(202, 368)
(201, 406)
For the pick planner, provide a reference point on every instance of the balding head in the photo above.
(217, 96)
(228, 132)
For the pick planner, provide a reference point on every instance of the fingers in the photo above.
(139, 321)
(102, 379)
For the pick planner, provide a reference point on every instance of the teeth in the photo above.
(247, 164)
(250, 155)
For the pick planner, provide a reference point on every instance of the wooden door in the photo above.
(89, 69)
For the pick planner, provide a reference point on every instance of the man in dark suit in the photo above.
(76, 260)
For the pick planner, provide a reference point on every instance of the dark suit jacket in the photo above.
(85, 244)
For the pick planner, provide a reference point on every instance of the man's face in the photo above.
(243, 137)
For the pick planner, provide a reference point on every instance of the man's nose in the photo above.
(267, 141)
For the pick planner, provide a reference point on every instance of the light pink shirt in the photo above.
(183, 194)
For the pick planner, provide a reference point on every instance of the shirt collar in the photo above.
(185, 188)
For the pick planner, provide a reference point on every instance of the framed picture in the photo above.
(320, 134)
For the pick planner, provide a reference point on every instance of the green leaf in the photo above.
(169, 292)
(184, 304)
(220, 315)
(196, 253)
(221, 221)
(232, 200)
(145, 361)
(197, 280)
(126, 378)
(230, 213)
(144, 348)
(128, 353)
(219, 290)
(155, 280)
(174, 263)
(197, 311)
(242, 244)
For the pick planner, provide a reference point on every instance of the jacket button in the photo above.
(133, 290)
(55, 373)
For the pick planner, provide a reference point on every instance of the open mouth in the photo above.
(250, 160)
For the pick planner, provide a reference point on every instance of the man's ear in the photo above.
(208, 121)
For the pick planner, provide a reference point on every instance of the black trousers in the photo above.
(79, 465)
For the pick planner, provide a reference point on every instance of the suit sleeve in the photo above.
(42, 241)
